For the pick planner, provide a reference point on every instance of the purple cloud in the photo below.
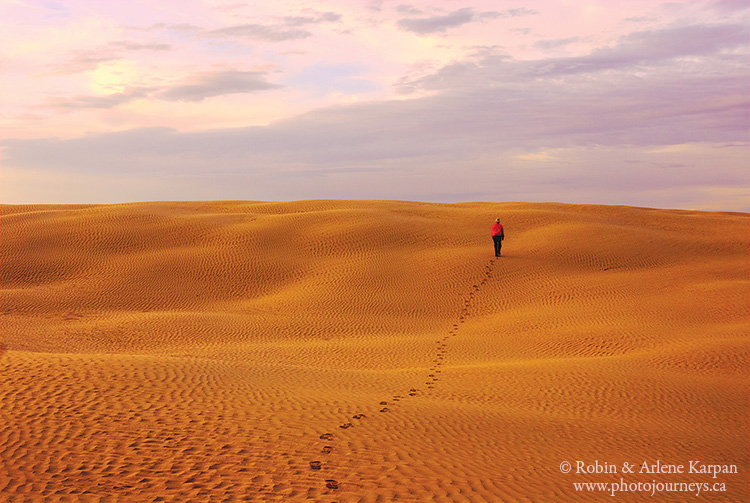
(209, 84)
(632, 53)
(437, 24)
(107, 101)
(441, 23)
(325, 17)
(409, 9)
(554, 44)
(731, 6)
(262, 32)
(522, 11)
(288, 30)
(660, 111)
(198, 87)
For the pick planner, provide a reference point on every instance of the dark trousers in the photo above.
(498, 244)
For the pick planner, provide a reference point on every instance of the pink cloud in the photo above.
(358, 87)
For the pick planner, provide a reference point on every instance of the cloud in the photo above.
(262, 32)
(436, 24)
(84, 61)
(441, 23)
(195, 88)
(492, 103)
(457, 124)
(658, 45)
(107, 101)
(522, 11)
(633, 53)
(87, 60)
(481, 16)
(409, 9)
(288, 30)
(731, 6)
(208, 84)
(554, 44)
(489, 126)
(135, 46)
(325, 17)
(242, 164)
(640, 19)
(180, 27)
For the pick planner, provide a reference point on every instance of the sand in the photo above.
(369, 351)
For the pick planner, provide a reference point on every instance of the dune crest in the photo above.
(368, 351)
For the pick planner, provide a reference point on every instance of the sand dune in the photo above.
(368, 351)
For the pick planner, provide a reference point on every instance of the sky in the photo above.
(640, 103)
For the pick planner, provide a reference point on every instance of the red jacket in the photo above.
(497, 230)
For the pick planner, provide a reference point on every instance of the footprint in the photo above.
(315, 465)
(384, 403)
(326, 436)
(384, 409)
(346, 425)
(332, 484)
(327, 449)
(358, 416)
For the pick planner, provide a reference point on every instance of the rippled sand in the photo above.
(368, 351)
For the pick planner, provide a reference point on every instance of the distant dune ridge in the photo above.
(368, 351)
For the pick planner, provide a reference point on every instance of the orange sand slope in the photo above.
(370, 351)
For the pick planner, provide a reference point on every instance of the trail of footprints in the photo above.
(432, 378)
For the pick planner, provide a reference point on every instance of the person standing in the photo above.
(498, 234)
